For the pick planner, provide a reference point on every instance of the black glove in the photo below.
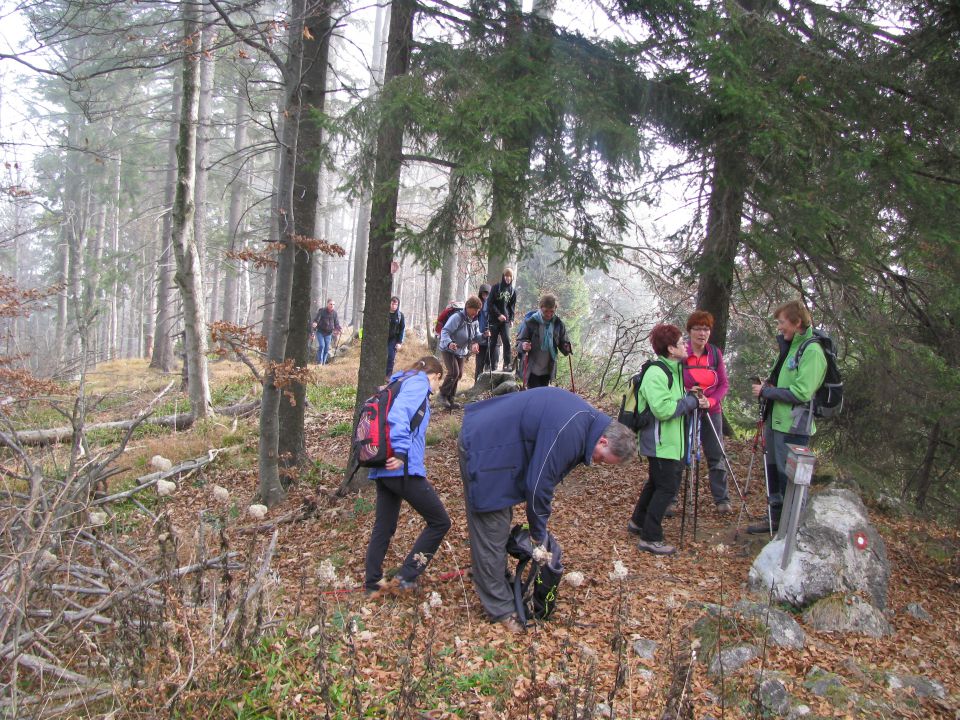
(566, 348)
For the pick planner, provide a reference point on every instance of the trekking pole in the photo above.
(695, 436)
(686, 483)
(573, 388)
(683, 503)
(726, 459)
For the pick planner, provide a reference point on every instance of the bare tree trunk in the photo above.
(114, 344)
(363, 218)
(238, 192)
(189, 275)
(719, 252)
(313, 87)
(270, 274)
(383, 214)
(271, 489)
(207, 62)
(148, 297)
(162, 358)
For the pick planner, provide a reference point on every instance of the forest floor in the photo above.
(327, 650)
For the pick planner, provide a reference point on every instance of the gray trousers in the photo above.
(711, 440)
(488, 533)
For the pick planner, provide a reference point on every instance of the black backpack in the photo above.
(628, 414)
(828, 399)
(535, 595)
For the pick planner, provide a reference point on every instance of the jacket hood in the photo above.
(485, 288)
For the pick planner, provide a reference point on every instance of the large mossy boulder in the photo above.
(838, 551)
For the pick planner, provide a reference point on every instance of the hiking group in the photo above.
(516, 448)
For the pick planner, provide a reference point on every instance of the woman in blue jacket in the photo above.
(405, 478)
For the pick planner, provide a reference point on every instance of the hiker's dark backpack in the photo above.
(629, 414)
(828, 399)
(444, 316)
(535, 585)
(371, 434)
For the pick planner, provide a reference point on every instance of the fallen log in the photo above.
(180, 421)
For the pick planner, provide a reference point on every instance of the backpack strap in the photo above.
(713, 354)
(519, 589)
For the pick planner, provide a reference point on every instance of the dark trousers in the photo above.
(452, 372)
(656, 495)
(501, 332)
(487, 358)
(391, 492)
(537, 380)
(776, 442)
(711, 441)
(391, 356)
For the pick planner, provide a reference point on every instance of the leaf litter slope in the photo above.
(575, 658)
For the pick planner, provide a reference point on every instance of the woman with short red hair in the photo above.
(704, 368)
(663, 440)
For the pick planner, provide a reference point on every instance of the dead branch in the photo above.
(179, 422)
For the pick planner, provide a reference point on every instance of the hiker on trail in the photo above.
(551, 431)
(326, 324)
(457, 339)
(488, 355)
(663, 441)
(500, 306)
(395, 334)
(541, 337)
(787, 393)
(704, 368)
(405, 478)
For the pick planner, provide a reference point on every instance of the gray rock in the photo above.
(644, 674)
(917, 611)
(848, 614)
(602, 710)
(784, 630)
(774, 696)
(644, 648)
(505, 388)
(828, 685)
(799, 711)
(921, 686)
(489, 382)
(826, 559)
(732, 659)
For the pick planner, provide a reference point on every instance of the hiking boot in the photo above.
(761, 528)
(656, 547)
(633, 528)
(454, 405)
(724, 508)
(405, 586)
(512, 624)
(671, 510)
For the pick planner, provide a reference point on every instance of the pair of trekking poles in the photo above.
(692, 462)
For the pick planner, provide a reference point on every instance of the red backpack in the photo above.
(444, 316)
(371, 435)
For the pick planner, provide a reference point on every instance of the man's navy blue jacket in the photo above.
(520, 446)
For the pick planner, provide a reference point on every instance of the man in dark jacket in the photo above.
(398, 327)
(551, 432)
(326, 324)
(500, 306)
(542, 336)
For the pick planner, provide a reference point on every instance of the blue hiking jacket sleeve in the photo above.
(412, 446)
(520, 446)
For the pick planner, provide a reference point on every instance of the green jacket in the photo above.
(664, 438)
(791, 410)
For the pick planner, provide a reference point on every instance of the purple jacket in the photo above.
(700, 371)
